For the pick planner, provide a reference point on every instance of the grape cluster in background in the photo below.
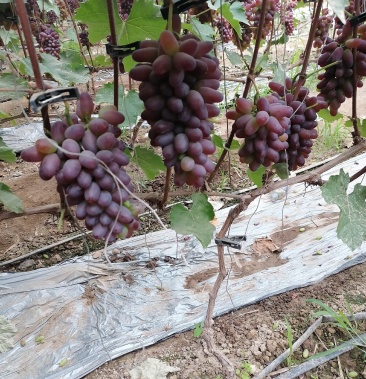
(336, 82)
(179, 86)
(82, 153)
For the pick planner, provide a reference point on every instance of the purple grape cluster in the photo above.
(302, 129)
(32, 8)
(263, 127)
(224, 28)
(180, 82)
(325, 21)
(78, 154)
(253, 10)
(51, 17)
(49, 41)
(124, 8)
(336, 82)
(84, 36)
(287, 16)
(73, 5)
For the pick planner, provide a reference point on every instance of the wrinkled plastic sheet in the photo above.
(90, 312)
(21, 137)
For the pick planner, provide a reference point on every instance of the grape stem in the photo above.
(356, 131)
(250, 80)
(166, 186)
(170, 16)
(302, 75)
(66, 4)
(320, 69)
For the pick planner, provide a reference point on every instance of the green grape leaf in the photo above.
(238, 12)
(214, 6)
(352, 219)
(257, 176)
(6, 153)
(94, 13)
(65, 71)
(281, 40)
(281, 169)
(9, 36)
(128, 103)
(10, 201)
(7, 332)
(325, 115)
(144, 22)
(204, 31)
(338, 8)
(150, 163)
(128, 63)
(19, 87)
(195, 221)
(279, 72)
(102, 61)
(234, 58)
(131, 106)
(226, 12)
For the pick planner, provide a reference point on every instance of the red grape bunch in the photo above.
(302, 122)
(224, 28)
(51, 17)
(84, 36)
(253, 10)
(179, 86)
(336, 82)
(49, 41)
(287, 16)
(338, 24)
(325, 22)
(81, 154)
(124, 8)
(264, 127)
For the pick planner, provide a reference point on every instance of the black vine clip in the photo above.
(50, 96)
(121, 51)
(358, 19)
(180, 6)
(230, 241)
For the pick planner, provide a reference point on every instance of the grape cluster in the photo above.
(179, 86)
(336, 82)
(303, 122)
(224, 28)
(51, 17)
(253, 10)
(84, 36)
(124, 8)
(63, 10)
(287, 16)
(73, 5)
(78, 154)
(324, 23)
(32, 8)
(338, 24)
(263, 126)
(203, 12)
(49, 41)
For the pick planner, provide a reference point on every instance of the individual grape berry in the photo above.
(77, 157)
(179, 86)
